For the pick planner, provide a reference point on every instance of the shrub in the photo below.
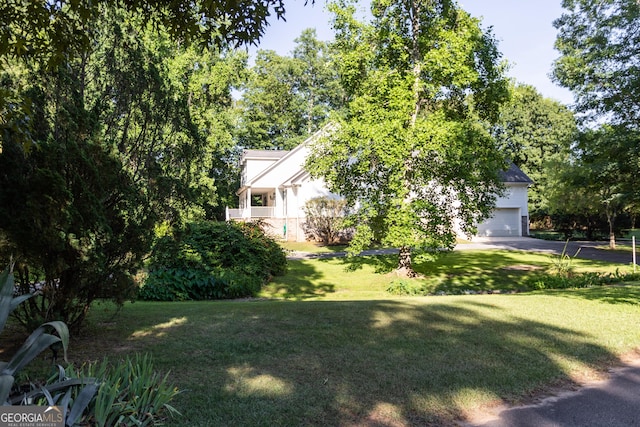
(407, 287)
(583, 280)
(562, 265)
(325, 220)
(212, 260)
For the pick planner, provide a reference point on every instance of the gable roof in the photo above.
(515, 175)
(284, 155)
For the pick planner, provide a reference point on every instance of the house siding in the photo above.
(279, 179)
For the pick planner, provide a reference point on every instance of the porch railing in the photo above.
(254, 212)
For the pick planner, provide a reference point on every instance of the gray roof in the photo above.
(515, 174)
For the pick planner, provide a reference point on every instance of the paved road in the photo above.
(611, 403)
(588, 250)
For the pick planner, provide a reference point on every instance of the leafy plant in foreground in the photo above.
(126, 394)
(131, 393)
(57, 392)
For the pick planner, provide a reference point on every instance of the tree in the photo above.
(599, 43)
(318, 84)
(124, 136)
(286, 99)
(48, 32)
(271, 111)
(602, 175)
(412, 151)
(535, 133)
(50, 28)
(204, 80)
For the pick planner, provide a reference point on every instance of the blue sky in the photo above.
(523, 29)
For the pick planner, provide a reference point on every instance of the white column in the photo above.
(247, 205)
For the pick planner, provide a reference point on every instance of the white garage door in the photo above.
(504, 222)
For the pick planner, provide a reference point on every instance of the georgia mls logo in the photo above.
(31, 416)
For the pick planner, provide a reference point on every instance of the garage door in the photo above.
(504, 222)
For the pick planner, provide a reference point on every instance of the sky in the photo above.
(523, 28)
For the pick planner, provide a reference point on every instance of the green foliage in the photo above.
(562, 264)
(598, 43)
(535, 133)
(412, 150)
(407, 287)
(133, 131)
(286, 99)
(37, 342)
(131, 393)
(561, 275)
(557, 281)
(212, 260)
(40, 340)
(324, 220)
(601, 179)
(127, 394)
(42, 29)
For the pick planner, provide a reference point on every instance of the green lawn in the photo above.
(456, 272)
(311, 247)
(340, 351)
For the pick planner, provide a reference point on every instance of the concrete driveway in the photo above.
(588, 250)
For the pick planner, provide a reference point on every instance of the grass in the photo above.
(342, 352)
(311, 247)
(456, 272)
(315, 248)
(410, 361)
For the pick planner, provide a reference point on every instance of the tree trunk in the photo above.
(611, 218)
(405, 269)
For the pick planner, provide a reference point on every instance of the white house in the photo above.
(274, 188)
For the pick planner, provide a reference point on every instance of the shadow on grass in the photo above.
(459, 271)
(382, 264)
(371, 363)
(609, 294)
(302, 281)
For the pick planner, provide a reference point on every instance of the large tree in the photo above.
(48, 32)
(599, 44)
(270, 110)
(601, 176)
(413, 151)
(123, 137)
(48, 28)
(535, 133)
(287, 98)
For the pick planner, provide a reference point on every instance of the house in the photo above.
(274, 188)
(511, 213)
